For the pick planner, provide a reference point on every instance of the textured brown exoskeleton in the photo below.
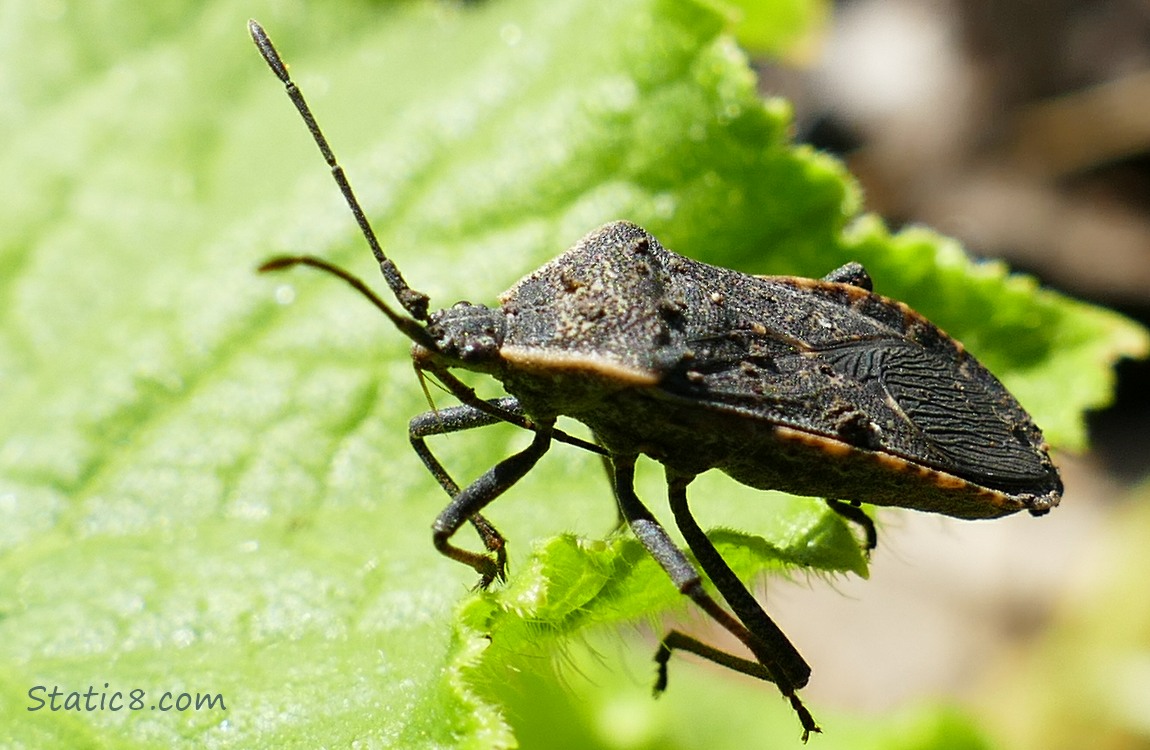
(816, 387)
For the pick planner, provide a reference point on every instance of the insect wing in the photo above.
(958, 417)
(837, 361)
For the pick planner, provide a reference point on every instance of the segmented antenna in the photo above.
(414, 302)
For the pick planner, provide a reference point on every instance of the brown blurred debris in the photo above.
(1003, 124)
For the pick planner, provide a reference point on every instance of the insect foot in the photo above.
(818, 387)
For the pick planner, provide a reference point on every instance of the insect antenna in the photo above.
(413, 329)
(415, 303)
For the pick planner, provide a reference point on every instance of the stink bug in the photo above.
(819, 387)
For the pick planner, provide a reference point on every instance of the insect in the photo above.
(818, 387)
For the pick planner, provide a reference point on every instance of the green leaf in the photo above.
(601, 704)
(780, 28)
(205, 486)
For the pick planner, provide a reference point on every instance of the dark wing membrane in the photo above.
(832, 359)
(971, 425)
(935, 408)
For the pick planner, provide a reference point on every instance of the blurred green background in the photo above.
(204, 482)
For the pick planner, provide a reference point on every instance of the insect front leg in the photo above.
(505, 409)
(466, 417)
(467, 503)
(455, 419)
(771, 647)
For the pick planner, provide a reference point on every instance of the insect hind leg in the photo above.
(775, 654)
(854, 514)
(675, 640)
(852, 273)
(777, 660)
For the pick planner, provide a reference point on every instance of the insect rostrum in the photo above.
(818, 387)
